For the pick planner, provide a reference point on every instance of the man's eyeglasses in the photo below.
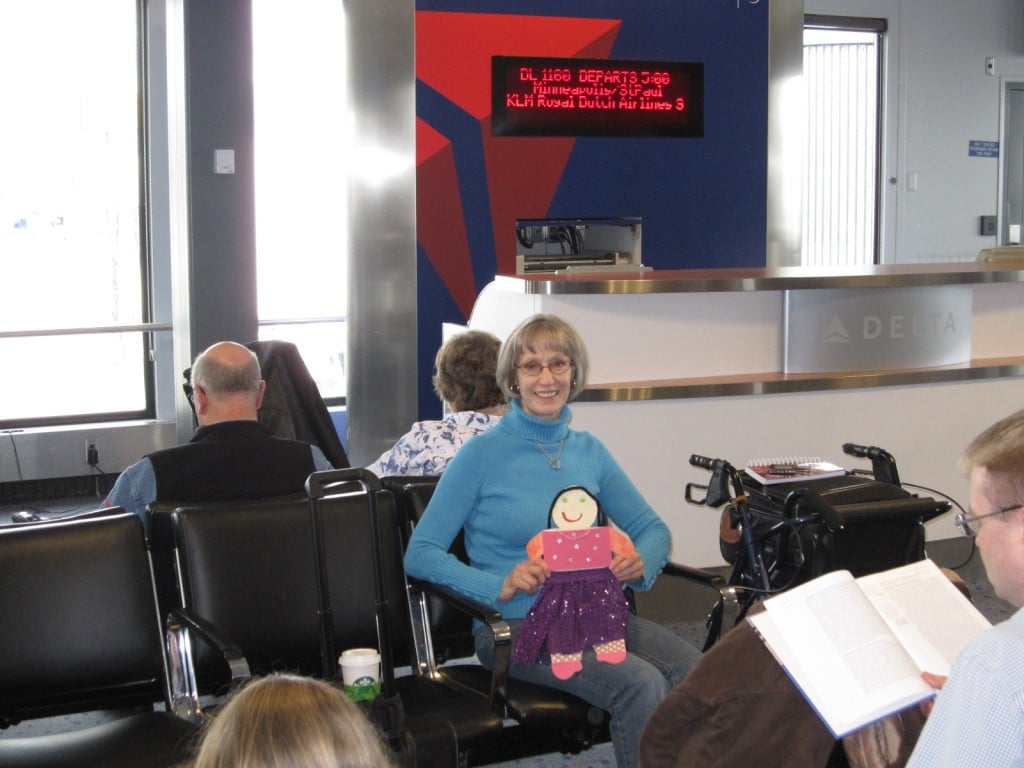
(966, 522)
(534, 367)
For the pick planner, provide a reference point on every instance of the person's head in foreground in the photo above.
(994, 462)
(287, 721)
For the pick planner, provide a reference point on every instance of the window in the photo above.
(301, 200)
(841, 169)
(71, 229)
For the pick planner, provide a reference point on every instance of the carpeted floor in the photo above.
(598, 756)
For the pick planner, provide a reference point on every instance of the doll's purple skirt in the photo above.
(574, 611)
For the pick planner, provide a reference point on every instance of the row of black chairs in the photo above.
(250, 571)
(250, 588)
(81, 633)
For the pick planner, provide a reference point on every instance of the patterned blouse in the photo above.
(428, 447)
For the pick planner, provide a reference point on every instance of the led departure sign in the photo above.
(534, 96)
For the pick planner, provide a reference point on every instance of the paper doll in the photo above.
(581, 605)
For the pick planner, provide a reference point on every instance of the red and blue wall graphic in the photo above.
(701, 199)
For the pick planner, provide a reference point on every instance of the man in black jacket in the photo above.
(231, 455)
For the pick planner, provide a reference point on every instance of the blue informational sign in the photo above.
(978, 148)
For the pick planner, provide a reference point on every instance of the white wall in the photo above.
(939, 98)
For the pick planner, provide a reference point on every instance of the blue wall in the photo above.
(702, 200)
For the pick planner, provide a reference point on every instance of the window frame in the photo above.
(880, 28)
(297, 321)
(147, 327)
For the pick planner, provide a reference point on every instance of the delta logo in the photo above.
(873, 327)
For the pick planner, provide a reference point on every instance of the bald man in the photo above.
(231, 455)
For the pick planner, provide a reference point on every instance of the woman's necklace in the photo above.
(556, 460)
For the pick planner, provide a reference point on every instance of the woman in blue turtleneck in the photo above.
(499, 488)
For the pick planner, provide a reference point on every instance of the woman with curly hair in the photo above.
(464, 379)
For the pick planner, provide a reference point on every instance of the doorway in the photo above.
(1011, 170)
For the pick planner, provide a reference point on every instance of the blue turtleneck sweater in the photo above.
(500, 487)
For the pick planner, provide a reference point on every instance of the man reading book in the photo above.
(738, 703)
(978, 717)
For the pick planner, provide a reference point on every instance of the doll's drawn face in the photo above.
(573, 510)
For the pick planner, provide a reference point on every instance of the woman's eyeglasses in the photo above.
(534, 367)
(966, 522)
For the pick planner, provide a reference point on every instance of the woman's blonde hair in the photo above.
(287, 721)
(551, 332)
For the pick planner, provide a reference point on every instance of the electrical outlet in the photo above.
(92, 454)
(990, 66)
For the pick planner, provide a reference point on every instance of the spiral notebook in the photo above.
(791, 469)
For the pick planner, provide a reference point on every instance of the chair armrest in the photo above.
(699, 575)
(724, 612)
(465, 604)
(183, 689)
(492, 619)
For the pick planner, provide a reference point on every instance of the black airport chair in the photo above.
(443, 641)
(248, 584)
(366, 603)
(81, 634)
(442, 624)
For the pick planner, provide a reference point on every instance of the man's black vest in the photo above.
(231, 460)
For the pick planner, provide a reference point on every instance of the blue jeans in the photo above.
(658, 659)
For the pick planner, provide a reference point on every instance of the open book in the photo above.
(856, 647)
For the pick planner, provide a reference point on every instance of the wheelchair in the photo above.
(793, 532)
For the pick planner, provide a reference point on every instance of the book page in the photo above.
(840, 652)
(930, 616)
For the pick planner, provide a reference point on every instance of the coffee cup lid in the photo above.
(360, 655)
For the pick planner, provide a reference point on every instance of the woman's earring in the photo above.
(514, 387)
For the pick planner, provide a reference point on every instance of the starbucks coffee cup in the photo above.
(360, 673)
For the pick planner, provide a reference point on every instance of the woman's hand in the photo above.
(627, 569)
(527, 576)
(936, 682)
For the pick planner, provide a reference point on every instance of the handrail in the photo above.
(81, 331)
